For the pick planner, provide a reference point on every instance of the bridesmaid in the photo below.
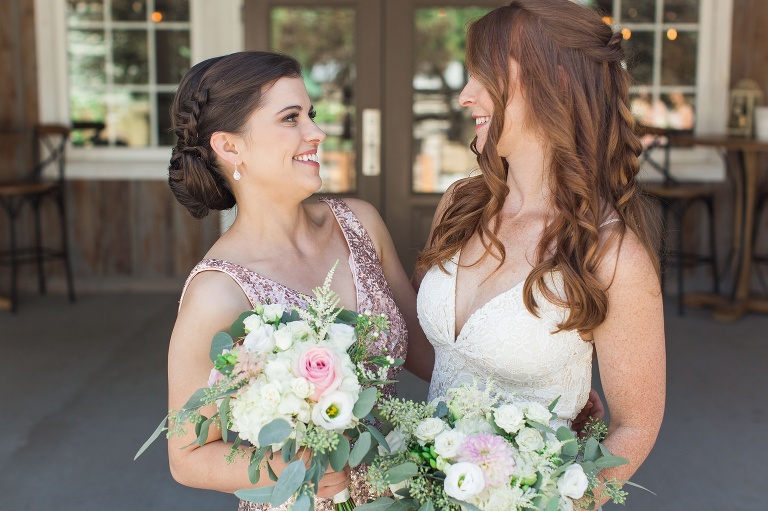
(246, 137)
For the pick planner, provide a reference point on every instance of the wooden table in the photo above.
(731, 308)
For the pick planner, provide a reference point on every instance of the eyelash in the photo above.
(292, 117)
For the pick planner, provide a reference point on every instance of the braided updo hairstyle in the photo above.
(218, 94)
(576, 90)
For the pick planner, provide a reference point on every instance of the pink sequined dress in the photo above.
(373, 293)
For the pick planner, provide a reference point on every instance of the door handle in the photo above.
(371, 142)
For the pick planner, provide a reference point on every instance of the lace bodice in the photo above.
(504, 341)
(373, 293)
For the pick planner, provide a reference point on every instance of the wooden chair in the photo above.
(759, 259)
(50, 142)
(675, 199)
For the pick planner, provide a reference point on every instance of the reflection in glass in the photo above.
(130, 56)
(638, 11)
(86, 106)
(165, 135)
(173, 10)
(680, 108)
(322, 40)
(639, 51)
(128, 123)
(129, 10)
(82, 10)
(442, 130)
(678, 59)
(681, 11)
(87, 53)
(172, 55)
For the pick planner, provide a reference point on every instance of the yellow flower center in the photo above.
(332, 411)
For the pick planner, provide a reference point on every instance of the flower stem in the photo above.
(342, 501)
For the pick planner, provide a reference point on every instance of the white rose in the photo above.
(463, 480)
(396, 441)
(299, 329)
(473, 426)
(538, 413)
(529, 439)
(283, 338)
(447, 444)
(428, 429)
(260, 340)
(333, 411)
(252, 322)
(573, 482)
(272, 312)
(302, 388)
(350, 384)
(509, 418)
(293, 406)
(341, 336)
(271, 395)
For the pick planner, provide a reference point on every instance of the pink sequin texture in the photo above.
(373, 294)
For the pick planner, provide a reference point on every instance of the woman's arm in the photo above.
(420, 358)
(212, 302)
(631, 353)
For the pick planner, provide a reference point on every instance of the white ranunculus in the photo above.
(509, 418)
(252, 322)
(573, 482)
(260, 340)
(341, 336)
(529, 439)
(300, 329)
(273, 312)
(271, 396)
(293, 406)
(428, 429)
(448, 443)
(283, 338)
(302, 388)
(463, 480)
(333, 411)
(396, 441)
(538, 413)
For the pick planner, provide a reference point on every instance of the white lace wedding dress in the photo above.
(504, 341)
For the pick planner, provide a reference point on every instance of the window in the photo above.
(125, 59)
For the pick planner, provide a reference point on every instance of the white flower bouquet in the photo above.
(476, 451)
(286, 380)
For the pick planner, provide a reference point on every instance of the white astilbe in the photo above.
(321, 310)
(470, 402)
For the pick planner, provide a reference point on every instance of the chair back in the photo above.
(656, 151)
(50, 145)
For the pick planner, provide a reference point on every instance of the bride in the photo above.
(546, 256)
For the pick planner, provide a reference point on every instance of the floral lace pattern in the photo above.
(504, 341)
(373, 294)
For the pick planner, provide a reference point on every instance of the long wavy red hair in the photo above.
(577, 96)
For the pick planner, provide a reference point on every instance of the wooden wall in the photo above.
(124, 235)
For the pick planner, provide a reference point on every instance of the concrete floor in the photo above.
(84, 386)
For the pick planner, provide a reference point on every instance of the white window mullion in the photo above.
(152, 63)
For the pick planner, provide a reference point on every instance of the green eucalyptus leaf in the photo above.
(271, 473)
(402, 472)
(197, 400)
(404, 505)
(540, 427)
(427, 506)
(610, 461)
(365, 402)
(361, 448)
(340, 455)
(378, 436)
(302, 503)
(591, 449)
(261, 495)
(553, 404)
(275, 432)
(220, 342)
(564, 434)
(380, 504)
(464, 505)
(287, 450)
(237, 330)
(346, 317)
(441, 410)
(291, 479)
(152, 437)
(638, 486)
(204, 427)
(224, 418)
(553, 504)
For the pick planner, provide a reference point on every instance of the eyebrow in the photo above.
(294, 107)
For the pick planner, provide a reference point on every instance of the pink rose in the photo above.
(321, 367)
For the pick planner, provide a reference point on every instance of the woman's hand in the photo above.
(329, 485)
(593, 408)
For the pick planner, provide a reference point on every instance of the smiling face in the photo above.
(281, 140)
(476, 97)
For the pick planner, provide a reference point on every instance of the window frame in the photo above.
(216, 28)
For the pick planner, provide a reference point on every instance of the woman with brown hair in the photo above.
(547, 255)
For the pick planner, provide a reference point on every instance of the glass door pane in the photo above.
(323, 41)
(442, 130)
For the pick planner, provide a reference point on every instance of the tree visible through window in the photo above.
(125, 60)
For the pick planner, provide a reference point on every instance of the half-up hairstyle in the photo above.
(218, 94)
(577, 95)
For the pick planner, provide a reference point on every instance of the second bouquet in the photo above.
(297, 384)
